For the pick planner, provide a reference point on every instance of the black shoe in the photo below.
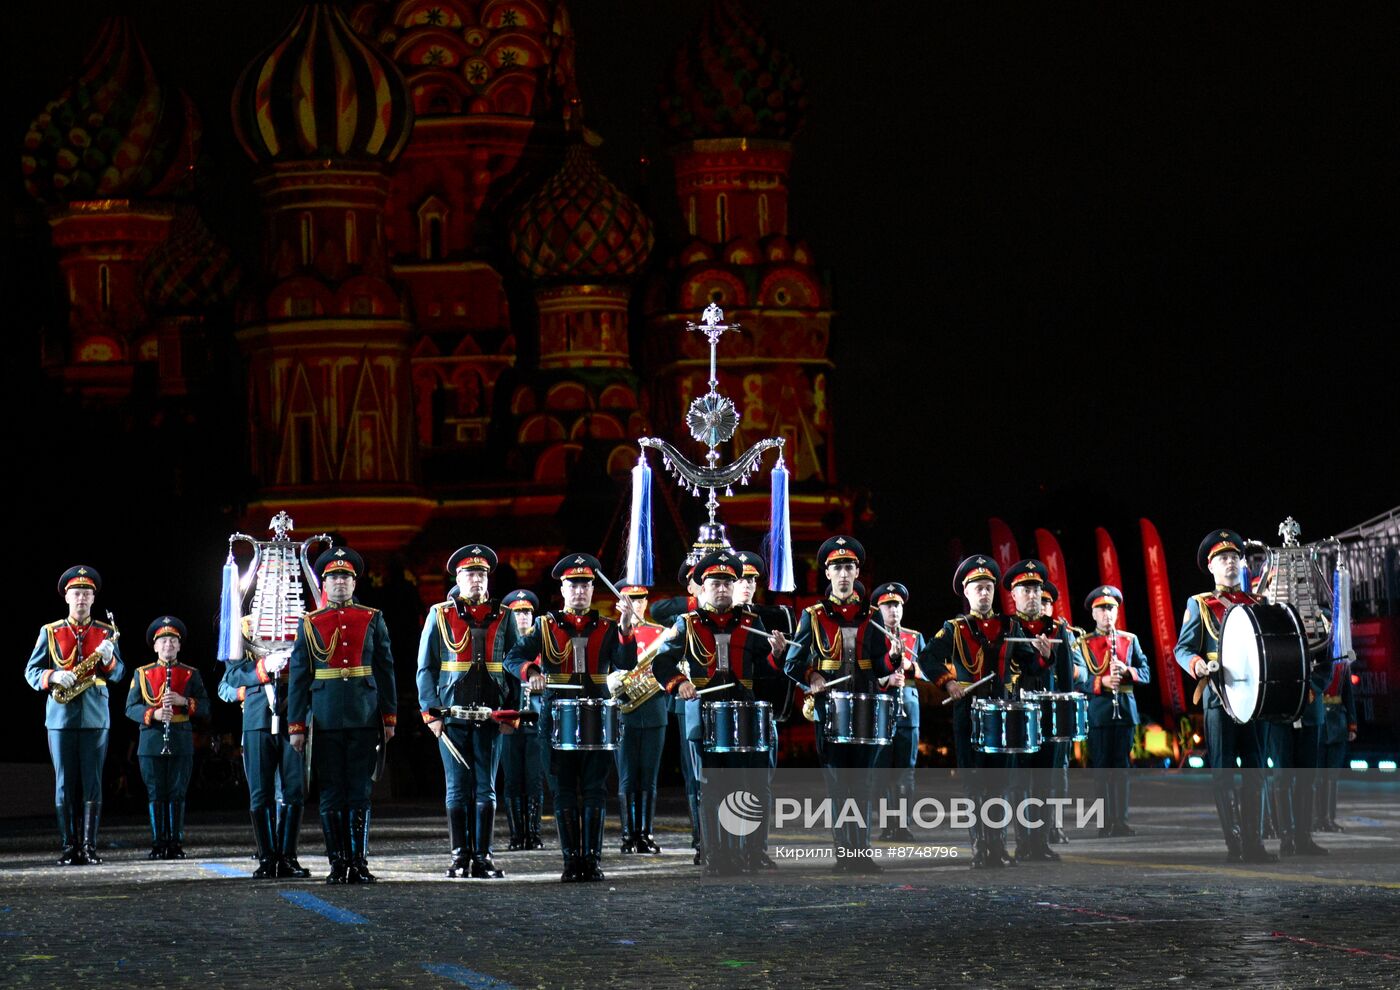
(1105, 832)
(1286, 848)
(627, 805)
(886, 835)
(1058, 837)
(1305, 846)
(699, 859)
(1122, 830)
(482, 866)
(1258, 854)
(70, 838)
(903, 835)
(760, 862)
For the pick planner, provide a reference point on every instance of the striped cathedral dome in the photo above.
(580, 225)
(321, 92)
(115, 132)
(727, 80)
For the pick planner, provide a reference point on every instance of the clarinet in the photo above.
(165, 732)
(1112, 657)
(899, 692)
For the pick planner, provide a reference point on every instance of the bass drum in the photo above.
(1263, 663)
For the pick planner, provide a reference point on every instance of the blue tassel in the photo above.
(639, 569)
(780, 533)
(1341, 613)
(230, 614)
(1246, 582)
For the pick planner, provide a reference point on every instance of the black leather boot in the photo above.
(592, 844)
(515, 817)
(157, 810)
(358, 871)
(1303, 797)
(627, 811)
(333, 828)
(533, 839)
(1252, 826)
(482, 866)
(567, 821)
(92, 817)
(460, 838)
(864, 861)
(1332, 824)
(264, 828)
(175, 830)
(288, 833)
(646, 810)
(980, 852)
(1230, 825)
(69, 837)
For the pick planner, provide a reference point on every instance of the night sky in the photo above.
(1090, 262)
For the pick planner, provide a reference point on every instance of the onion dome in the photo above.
(729, 81)
(190, 270)
(115, 132)
(580, 225)
(321, 92)
(512, 58)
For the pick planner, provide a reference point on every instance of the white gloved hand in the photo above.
(105, 649)
(62, 678)
(614, 681)
(276, 662)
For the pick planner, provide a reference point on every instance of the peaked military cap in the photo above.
(166, 625)
(80, 576)
(1104, 594)
(340, 560)
(576, 567)
(473, 557)
(1024, 572)
(978, 567)
(1217, 542)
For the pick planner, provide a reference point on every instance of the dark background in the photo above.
(1091, 263)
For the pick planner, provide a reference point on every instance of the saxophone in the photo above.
(84, 671)
(638, 685)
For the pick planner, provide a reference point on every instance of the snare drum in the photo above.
(864, 719)
(1005, 726)
(1263, 663)
(736, 726)
(1064, 715)
(584, 724)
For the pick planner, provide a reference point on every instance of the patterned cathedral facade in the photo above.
(451, 324)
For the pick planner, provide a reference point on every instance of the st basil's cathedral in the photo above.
(452, 324)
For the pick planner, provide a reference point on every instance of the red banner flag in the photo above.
(1054, 560)
(1159, 604)
(1005, 553)
(1109, 571)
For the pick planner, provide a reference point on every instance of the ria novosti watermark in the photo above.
(741, 813)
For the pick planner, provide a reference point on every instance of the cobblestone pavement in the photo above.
(1160, 909)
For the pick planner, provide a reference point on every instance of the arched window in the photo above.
(104, 287)
(308, 239)
(762, 214)
(721, 218)
(352, 241)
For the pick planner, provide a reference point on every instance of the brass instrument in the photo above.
(809, 703)
(84, 671)
(639, 685)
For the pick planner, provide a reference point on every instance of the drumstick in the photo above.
(970, 687)
(564, 687)
(837, 681)
(717, 687)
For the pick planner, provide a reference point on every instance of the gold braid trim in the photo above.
(445, 632)
(548, 647)
(318, 655)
